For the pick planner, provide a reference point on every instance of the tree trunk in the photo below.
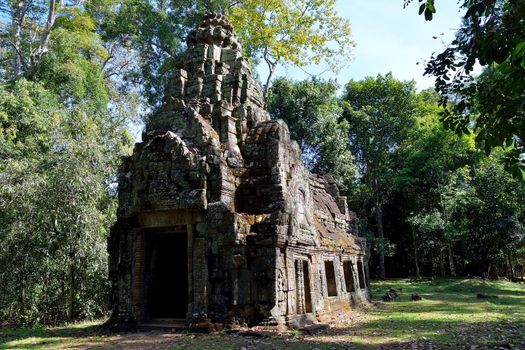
(71, 293)
(416, 258)
(267, 87)
(493, 273)
(52, 14)
(22, 298)
(451, 261)
(381, 237)
(441, 263)
(271, 70)
(511, 268)
(16, 32)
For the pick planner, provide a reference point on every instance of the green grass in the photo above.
(449, 316)
(70, 336)
(449, 313)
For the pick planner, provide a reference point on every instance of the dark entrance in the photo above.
(330, 278)
(360, 274)
(167, 275)
(348, 270)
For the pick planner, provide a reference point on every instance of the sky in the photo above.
(389, 39)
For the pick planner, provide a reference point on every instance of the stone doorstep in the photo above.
(165, 324)
(180, 325)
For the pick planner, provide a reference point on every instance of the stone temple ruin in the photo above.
(219, 221)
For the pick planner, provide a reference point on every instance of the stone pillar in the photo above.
(191, 296)
(138, 288)
(200, 276)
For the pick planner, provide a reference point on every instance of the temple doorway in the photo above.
(167, 275)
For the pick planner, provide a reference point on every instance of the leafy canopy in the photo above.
(493, 105)
(299, 32)
(62, 132)
(313, 113)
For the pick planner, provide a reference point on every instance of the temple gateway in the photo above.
(218, 219)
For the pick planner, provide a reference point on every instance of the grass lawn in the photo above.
(449, 317)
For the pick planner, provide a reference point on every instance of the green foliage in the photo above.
(72, 67)
(26, 111)
(498, 228)
(433, 166)
(428, 8)
(493, 35)
(446, 206)
(62, 132)
(451, 199)
(298, 32)
(311, 110)
(56, 208)
(295, 31)
(379, 112)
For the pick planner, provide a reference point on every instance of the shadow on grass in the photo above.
(428, 334)
(40, 337)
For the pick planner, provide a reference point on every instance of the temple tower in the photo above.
(218, 219)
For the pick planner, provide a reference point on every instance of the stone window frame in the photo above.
(353, 271)
(331, 259)
(304, 259)
(361, 276)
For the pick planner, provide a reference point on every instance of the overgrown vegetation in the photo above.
(492, 35)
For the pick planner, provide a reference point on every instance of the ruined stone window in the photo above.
(302, 281)
(348, 270)
(330, 278)
(361, 275)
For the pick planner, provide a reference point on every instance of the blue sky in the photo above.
(388, 38)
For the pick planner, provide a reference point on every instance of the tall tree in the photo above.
(379, 111)
(452, 208)
(430, 165)
(492, 35)
(28, 30)
(497, 232)
(313, 113)
(55, 206)
(297, 32)
(61, 135)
